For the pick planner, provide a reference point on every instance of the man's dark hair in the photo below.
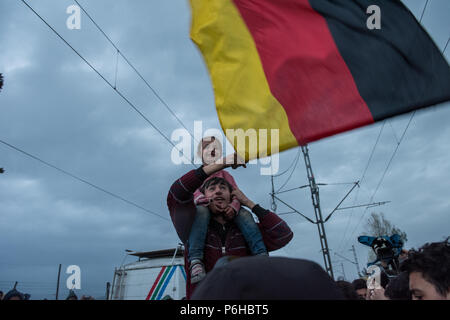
(348, 290)
(398, 288)
(432, 260)
(359, 284)
(213, 182)
(1, 81)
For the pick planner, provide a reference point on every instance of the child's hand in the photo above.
(233, 160)
(229, 213)
(238, 194)
(203, 202)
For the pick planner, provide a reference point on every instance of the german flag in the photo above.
(314, 68)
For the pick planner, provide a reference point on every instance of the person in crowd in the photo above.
(268, 278)
(398, 288)
(210, 150)
(14, 294)
(360, 286)
(377, 285)
(348, 290)
(72, 295)
(1, 295)
(428, 271)
(223, 236)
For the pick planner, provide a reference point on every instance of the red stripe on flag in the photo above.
(305, 71)
(155, 283)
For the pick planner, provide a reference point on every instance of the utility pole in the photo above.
(356, 260)
(274, 205)
(319, 220)
(57, 283)
(108, 288)
(343, 271)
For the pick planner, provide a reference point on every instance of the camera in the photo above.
(386, 248)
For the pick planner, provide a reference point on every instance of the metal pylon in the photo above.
(319, 220)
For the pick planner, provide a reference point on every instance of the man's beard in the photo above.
(217, 208)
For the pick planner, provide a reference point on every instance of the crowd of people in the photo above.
(15, 294)
(211, 195)
(423, 275)
(227, 252)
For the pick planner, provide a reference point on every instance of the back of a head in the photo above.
(14, 295)
(348, 290)
(359, 284)
(398, 288)
(72, 295)
(268, 278)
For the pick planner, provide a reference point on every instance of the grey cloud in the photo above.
(55, 107)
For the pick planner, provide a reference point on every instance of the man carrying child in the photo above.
(225, 233)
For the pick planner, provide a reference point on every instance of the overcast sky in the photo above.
(55, 107)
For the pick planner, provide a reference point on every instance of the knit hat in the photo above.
(268, 278)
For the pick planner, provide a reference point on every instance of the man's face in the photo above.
(421, 289)
(361, 293)
(220, 197)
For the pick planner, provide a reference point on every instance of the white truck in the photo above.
(157, 275)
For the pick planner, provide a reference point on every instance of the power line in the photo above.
(397, 140)
(385, 170)
(290, 166)
(445, 47)
(361, 180)
(393, 155)
(423, 11)
(81, 180)
(119, 52)
(290, 176)
(294, 210)
(319, 184)
(109, 83)
(337, 207)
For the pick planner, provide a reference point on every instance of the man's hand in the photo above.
(243, 198)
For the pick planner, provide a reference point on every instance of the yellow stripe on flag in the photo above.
(242, 95)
